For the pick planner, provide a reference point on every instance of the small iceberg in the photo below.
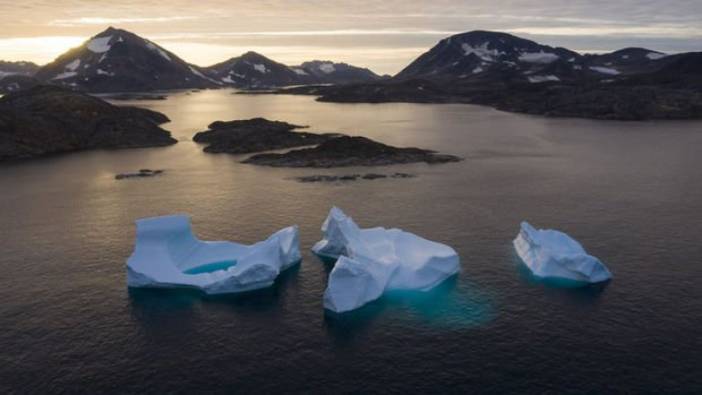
(168, 255)
(373, 261)
(551, 254)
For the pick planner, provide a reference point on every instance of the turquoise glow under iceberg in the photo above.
(210, 267)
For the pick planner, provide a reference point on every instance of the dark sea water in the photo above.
(630, 192)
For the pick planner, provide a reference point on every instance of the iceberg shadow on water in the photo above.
(148, 304)
(578, 292)
(448, 306)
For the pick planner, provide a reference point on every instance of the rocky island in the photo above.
(256, 135)
(349, 151)
(47, 120)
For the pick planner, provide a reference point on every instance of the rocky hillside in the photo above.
(17, 68)
(47, 120)
(328, 72)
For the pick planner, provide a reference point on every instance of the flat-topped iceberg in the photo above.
(168, 255)
(554, 254)
(372, 261)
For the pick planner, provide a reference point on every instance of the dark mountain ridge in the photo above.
(515, 74)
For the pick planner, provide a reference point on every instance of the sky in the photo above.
(384, 35)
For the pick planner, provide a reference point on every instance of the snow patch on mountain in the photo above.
(63, 76)
(197, 73)
(537, 79)
(605, 70)
(538, 57)
(73, 65)
(477, 70)
(261, 68)
(103, 72)
(100, 44)
(300, 71)
(327, 68)
(161, 52)
(482, 52)
(655, 55)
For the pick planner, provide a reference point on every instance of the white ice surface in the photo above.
(372, 261)
(166, 250)
(554, 254)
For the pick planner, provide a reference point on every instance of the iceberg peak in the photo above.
(168, 255)
(372, 261)
(553, 254)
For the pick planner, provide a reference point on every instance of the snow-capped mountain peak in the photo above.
(118, 60)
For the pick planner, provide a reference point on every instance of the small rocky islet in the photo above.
(142, 173)
(323, 150)
(350, 177)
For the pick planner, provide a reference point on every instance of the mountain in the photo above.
(17, 82)
(47, 119)
(15, 76)
(516, 74)
(492, 56)
(117, 60)
(252, 70)
(327, 72)
(17, 68)
(480, 53)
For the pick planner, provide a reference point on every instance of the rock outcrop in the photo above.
(255, 135)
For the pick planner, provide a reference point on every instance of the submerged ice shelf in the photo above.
(551, 254)
(373, 261)
(168, 255)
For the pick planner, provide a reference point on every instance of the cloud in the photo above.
(303, 33)
(115, 21)
(634, 31)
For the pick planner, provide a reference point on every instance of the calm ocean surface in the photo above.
(630, 192)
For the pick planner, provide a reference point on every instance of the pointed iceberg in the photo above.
(168, 255)
(372, 261)
(554, 254)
